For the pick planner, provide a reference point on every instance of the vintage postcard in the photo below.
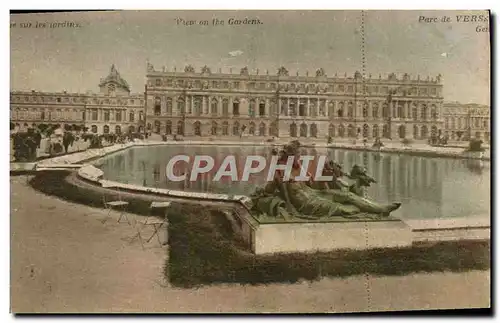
(250, 161)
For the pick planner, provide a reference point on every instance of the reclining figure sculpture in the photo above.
(315, 200)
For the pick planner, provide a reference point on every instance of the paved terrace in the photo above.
(63, 259)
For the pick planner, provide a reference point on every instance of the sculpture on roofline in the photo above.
(282, 71)
(320, 72)
(206, 70)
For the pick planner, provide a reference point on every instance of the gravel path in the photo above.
(63, 259)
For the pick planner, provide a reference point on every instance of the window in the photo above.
(262, 109)
(236, 129)
(215, 84)
(180, 107)
(385, 111)
(423, 112)
(157, 110)
(366, 130)
(340, 111)
(236, 85)
(58, 99)
(331, 108)
(94, 115)
(350, 110)
(158, 82)
(106, 115)
(225, 107)
(213, 107)
(180, 128)
(284, 107)
(214, 128)
(434, 113)
(251, 129)
(197, 106)
(225, 128)
(375, 110)
(331, 130)
(293, 108)
(131, 116)
(168, 128)
(118, 116)
(302, 109)
(375, 131)
(169, 105)
(106, 129)
(313, 130)
(401, 110)
(350, 89)
(236, 108)
(322, 108)
(365, 111)
(93, 128)
(118, 129)
(251, 108)
(262, 129)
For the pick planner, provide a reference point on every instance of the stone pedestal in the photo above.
(329, 236)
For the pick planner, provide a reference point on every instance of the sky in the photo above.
(75, 59)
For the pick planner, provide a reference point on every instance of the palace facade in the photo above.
(465, 121)
(218, 104)
(113, 110)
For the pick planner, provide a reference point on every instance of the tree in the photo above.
(476, 145)
(67, 127)
(459, 134)
(24, 147)
(42, 127)
(68, 139)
